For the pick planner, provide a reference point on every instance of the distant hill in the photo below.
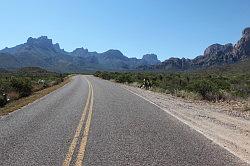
(33, 70)
(41, 52)
(3, 71)
(214, 56)
(240, 67)
(29, 71)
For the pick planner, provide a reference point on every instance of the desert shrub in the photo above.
(97, 74)
(58, 81)
(241, 90)
(13, 95)
(104, 75)
(124, 78)
(16, 85)
(206, 88)
(221, 82)
(3, 100)
(22, 86)
(187, 94)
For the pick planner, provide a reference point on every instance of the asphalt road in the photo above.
(96, 122)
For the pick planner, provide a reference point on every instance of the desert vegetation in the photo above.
(22, 83)
(213, 85)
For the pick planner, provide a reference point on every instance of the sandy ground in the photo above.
(225, 126)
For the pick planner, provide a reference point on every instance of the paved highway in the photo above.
(91, 121)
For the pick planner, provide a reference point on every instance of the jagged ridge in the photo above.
(214, 55)
(41, 52)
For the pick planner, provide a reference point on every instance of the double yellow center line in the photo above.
(87, 109)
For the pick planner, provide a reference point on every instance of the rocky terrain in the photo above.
(214, 55)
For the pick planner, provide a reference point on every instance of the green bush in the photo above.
(210, 86)
(124, 78)
(22, 86)
(206, 88)
(3, 100)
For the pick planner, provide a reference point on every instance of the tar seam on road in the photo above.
(88, 106)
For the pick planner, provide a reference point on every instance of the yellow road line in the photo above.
(81, 152)
(78, 130)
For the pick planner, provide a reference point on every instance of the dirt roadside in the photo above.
(226, 127)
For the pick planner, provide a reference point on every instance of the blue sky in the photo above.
(177, 28)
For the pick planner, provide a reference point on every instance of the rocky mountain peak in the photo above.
(80, 52)
(218, 48)
(57, 46)
(114, 54)
(151, 59)
(246, 32)
(242, 47)
(214, 55)
(42, 41)
(41, 52)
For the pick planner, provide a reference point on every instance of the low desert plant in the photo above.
(187, 94)
(22, 86)
(207, 86)
(3, 100)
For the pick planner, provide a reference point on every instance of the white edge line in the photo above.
(183, 121)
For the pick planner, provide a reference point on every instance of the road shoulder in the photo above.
(226, 130)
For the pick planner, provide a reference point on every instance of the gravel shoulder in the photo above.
(228, 128)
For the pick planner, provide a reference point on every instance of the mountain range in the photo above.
(41, 52)
(214, 56)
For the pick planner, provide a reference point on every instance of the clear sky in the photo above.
(177, 28)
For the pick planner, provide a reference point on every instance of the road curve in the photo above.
(96, 122)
